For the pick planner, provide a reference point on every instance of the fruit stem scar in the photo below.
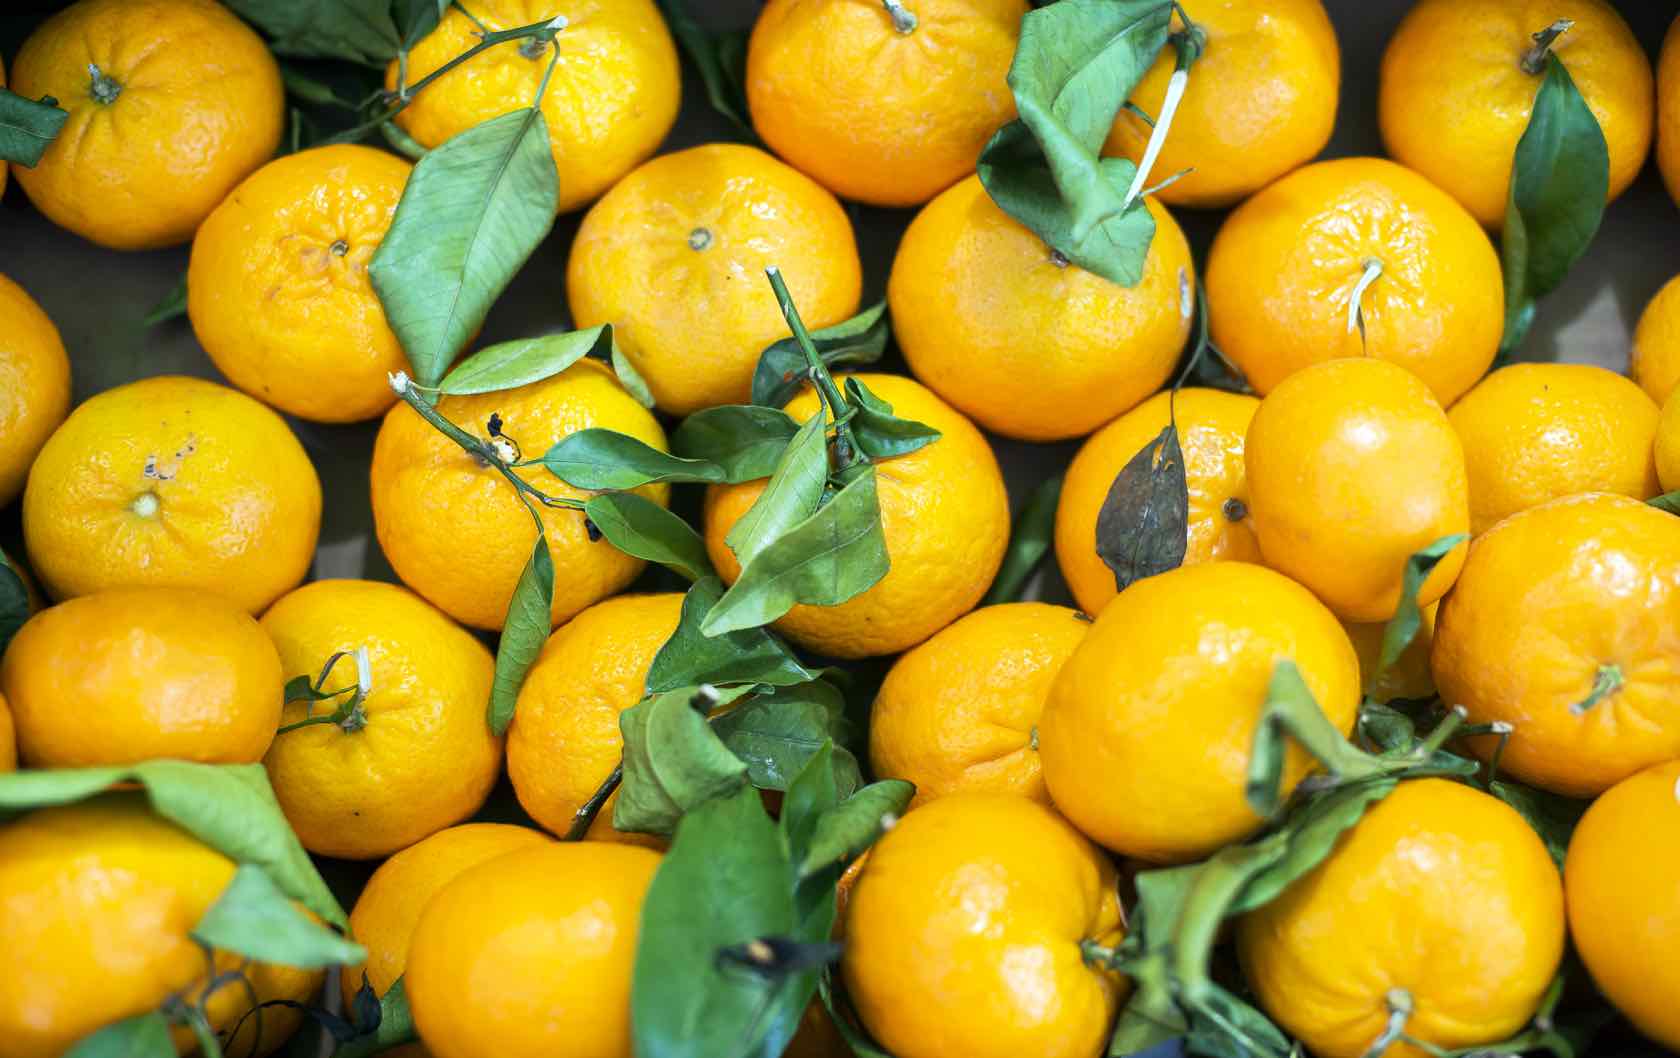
(1058, 258)
(1234, 510)
(1606, 682)
(105, 89)
(145, 505)
(903, 19)
(1534, 59)
(1399, 1002)
(699, 238)
(339, 248)
(1355, 317)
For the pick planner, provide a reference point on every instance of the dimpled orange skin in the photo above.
(565, 738)
(612, 97)
(34, 385)
(876, 115)
(1599, 575)
(1353, 468)
(1656, 343)
(153, 672)
(426, 758)
(945, 517)
(1284, 266)
(1668, 446)
(389, 907)
(200, 106)
(1409, 676)
(173, 482)
(963, 931)
(674, 258)
(1260, 101)
(1454, 98)
(1441, 890)
(1025, 347)
(959, 713)
(1159, 705)
(278, 288)
(1535, 432)
(1212, 428)
(1622, 882)
(530, 955)
(453, 528)
(1668, 110)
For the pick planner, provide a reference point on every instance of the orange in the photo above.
(1409, 676)
(151, 672)
(1656, 343)
(1440, 891)
(8, 738)
(34, 385)
(1021, 341)
(172, 103)
(565, 738)
(96, 903)
(529, 955)
(1260, 100)
(1534, 432)
(945, 517)
(173, 482)
(423, 757)
(882, 114)
(963, 933)
(1352, 469)
(960, 713)
(674, 258)
(1212, 427)
(1564, 624)
(610, 101)
(1285, 265)
(454, 529)
(1622, 880)
(278, 289)
(1668, 110)
(1456, 94)
(1159, 705)
(1668, 446)
(389, 907)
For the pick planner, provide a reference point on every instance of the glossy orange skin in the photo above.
(278, 289)
(1667, 449)
(674, 258)
(529, 955)
(875, 115)
(453, 528)
(1260, 101)
(945, 517)
(960, 712)
(1159, 705)
(425, 759)
(1535, 432)
(1025, 346)
(963, 931)
(565, 738)
(1668, 110)
(610, 101)
(1600, 575)
(1454, 98)
(1212, 428)
(1440, 890)
(1622, 882)
(201, 105)
(8, 738)
(173, 482)
(1285, 263)
(34, 385)
(1656, 343)
(1352, 469)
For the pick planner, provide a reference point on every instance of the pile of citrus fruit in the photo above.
(717, 706)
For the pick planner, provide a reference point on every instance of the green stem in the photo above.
(1605, 683)
(208, 1045)
(1534, 59)
(845, 445)
(585, 816)
(903, 19)
(544, 31)
(1399, 1012)
(105, 89)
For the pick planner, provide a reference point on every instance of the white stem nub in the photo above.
(364, 672)
(399, 382)
(558, 23)
(1169, 106)
(1373, 269)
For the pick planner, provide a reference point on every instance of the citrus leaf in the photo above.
(142, 1036)
(879, 433)
(172, 306)
(1310, 837)
(360, 31)
(254, 918)
(1553, 817)
(795, 489)
(598, 458)
(27, 127)
(395, 1026)
(523, 633)
(643, 529)
(673, 762)
(416, 18)
(832, 990)
(1408, 616)
(474, 209)
(747, 656)
(721, 60)
(776, 731)
(1668, 501)
(1035, 530)
(506, 365)
(844, 832)
(14, 602)
(1290, 710)
(631, 379)
(782, 369)
(744, 439)
(398, 139)
(1143, 526)
(812, 793)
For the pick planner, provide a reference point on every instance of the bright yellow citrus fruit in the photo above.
(1409, 676)
(1668, 446)
(1668, 110)
(1656, 343)
(34, 385)
(8, 737)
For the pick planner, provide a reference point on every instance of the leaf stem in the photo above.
(585, 815)
(1534, 59)
(1399, 1002)
(846, 450)
(544, 31)
(1188, 43)
(1605, 683)
(105, 88)
(903, 19)
(1355, 318)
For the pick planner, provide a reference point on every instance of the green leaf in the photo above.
(778, 730)
(474, 209)
(812, 793)
(1560, 179)
(142, 1036)
(1143, 526)
(1035, 530)
(631, 379)
(306, 87)
(845, 831)
(398, 139)
(783, 370)
(793, 494)
(524, 632)
(834, 555)
(673, 762)
(1668, 501)
(396, 1026)
(416, 18)
(1408, 617)
(358, 30)
(229, 807)
(602, 459)
(1309, 839)
(507, 365)
(27, 127)
(721, 60)
(1291, 710)
(744, 439)
(747, 656)
(254, 918)
(172, 306)
(879, 433)
(14, 602)
(1553, 817)
(643, 529)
